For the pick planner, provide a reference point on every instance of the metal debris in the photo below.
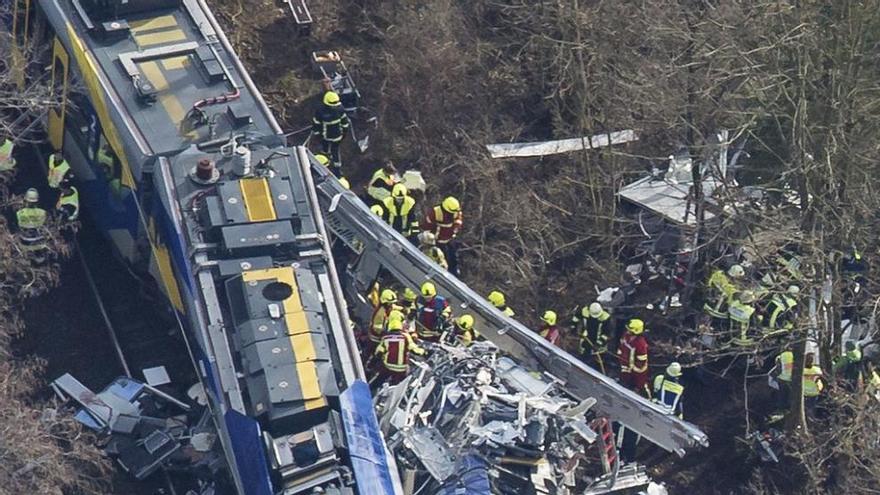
(507, 150)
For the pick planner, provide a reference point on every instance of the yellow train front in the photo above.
(182, 166)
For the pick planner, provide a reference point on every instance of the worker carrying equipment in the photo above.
(58, 170)
(668, 391)
(499, 301)
(31, 220)
(394, 349)
(7, 162)
(330, 123)
(464, 330)
(401, 212)
(433, 313)
(428, 246)
(382, 182)
(445, 222)
(68, 203)
(387, 304)
(548, 329)
(632, 353)
(590, 323)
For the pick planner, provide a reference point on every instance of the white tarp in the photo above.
(508, 150)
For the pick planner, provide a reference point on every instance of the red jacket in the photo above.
(443, 224)
(633, 354)
(551, 333)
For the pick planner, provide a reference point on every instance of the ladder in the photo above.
(607, 444)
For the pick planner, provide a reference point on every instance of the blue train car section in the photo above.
(183, 167)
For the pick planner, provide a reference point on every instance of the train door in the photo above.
(60, 73)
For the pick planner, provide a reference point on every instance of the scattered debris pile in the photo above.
(470, 420)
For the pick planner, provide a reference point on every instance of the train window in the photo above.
(106, 158)
(79, 120)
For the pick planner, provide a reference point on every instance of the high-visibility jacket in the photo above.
(507, 311)
(740, 321)
(381, 184)
(6, 160)
(379, 320)
(813, 385)
(68, 204)
(437, 255)
(667, 393)
(785, 365)
(466, 337)
(402, 218)
(395, 348)
(550, 333)
(632, 353)
(593, 337)
(57, 172)
(330, 123)
(720, 290)
(443, 224)
(431, 317)
(30, 217)
(780, 309)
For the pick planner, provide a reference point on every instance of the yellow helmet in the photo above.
(409, 295)
(428, 289)
(331, 98)
(322, 159)
(549, 317)
(465, 322)
(345, 183)
(635, 326)
(398, 191)
(388, 296)
(451, 205)
(377, 210)
(497, 299)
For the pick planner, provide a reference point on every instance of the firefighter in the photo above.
(400, 212)
(780, 311)
(720, 290)
(67, 206)
(850, 368)
(324, 160)
(330, 123)
(382, 183)
(31, 220)
(464, 330)
(548, 329)
(387, 304)
(496, 297)
(668, 391)
(590, 324)
(7, 162)
(632, 353)
(394, 349)
(741, 314)
(445, 221)
(58, 170)
(433, 313)
(428, 246)
(408, 306)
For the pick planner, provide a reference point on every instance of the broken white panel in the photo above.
(666, 199)
(509, 150)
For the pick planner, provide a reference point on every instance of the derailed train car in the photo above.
(182, 166)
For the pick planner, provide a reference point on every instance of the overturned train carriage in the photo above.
(182, 166)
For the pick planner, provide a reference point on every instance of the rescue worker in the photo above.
(382, 183)
(31, 219)
(849, 368)
(108, 164)
(813, 382)
(741, 313)
(464, 330)
(325, 161)
(720, 290)
(548, 329)
(781, 373)
(58, 170)
(394, 349)
(445, 221)
(433, 313)
(590, 323)
(67, 206)
(632, 353)
(7, 162)
(780, 311)
(498, 300)
(428, 246)
(387, 304)
(408, 304)
(345, 183)
(668, 391)
(400, 212)
(330, 123)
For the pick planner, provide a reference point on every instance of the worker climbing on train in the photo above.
(780, 312)
(719, 292)
(465, 333)
(445, 221)
(548, 328)
(31, 220)
(394, 349)
(668, 390)
(499, 300)
(400, 212)
(742, 317)
(382, 183)
(387, 304)
(428, 246)
(7, 161)
(591, 324)
(67, 206)
(330, 123)
(58, 170)
(433, 313)
(632, 353)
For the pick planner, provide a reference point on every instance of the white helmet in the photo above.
(793, 290)
(427, 238)
(736, 271)
(595, 309)
(674, 369)
(32, 196)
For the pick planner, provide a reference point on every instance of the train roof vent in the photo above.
(113, 9)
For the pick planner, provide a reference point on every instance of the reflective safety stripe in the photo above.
(71, 199)
(31, 218)
(668, 393)
(57, 173)
(439, 215)
(395, 355)
(812, 385)
(786, 363)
